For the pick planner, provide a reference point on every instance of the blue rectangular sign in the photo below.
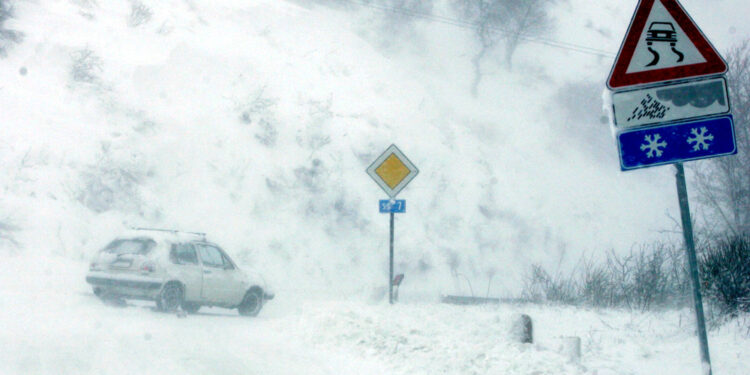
(396, 206)
(677, 142)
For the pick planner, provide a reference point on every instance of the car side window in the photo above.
(227, 263)
(210, 256)
(183, 253)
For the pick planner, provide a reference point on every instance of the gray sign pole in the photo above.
(390, 277)
(687, 231)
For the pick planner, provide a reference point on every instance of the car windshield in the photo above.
(130, 246)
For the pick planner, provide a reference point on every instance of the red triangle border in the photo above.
(619, 78)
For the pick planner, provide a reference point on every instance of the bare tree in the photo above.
(525, 19)
(723, 184)
(396, 9)
(511, 21)
(7, 36)
(402, 12)
(385, 23)
(487, 17)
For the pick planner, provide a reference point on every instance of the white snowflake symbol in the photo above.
(653, 145)
(700, 138)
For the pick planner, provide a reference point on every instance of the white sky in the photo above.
(723, 21)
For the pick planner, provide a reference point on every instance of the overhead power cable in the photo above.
(472, 25)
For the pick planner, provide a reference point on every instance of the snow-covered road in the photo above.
(52, 324)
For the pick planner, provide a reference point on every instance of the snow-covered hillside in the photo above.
(254, 121)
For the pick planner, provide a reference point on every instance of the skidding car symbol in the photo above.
(176, 270)
(662, 32)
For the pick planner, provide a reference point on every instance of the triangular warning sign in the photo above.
(662, 44)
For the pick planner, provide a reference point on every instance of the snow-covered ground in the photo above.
(53, 324)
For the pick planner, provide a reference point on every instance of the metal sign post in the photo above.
(687, 232)
(392, 206)
(392, 171)
(390, 264)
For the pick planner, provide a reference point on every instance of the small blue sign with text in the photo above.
(396, 206)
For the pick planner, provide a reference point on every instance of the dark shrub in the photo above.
(650, 276)
(7, 36)
(725, 273)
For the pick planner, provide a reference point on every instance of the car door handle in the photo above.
(206, 271)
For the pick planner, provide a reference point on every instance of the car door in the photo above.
(187, 270)
(238, 283)
(222, 283)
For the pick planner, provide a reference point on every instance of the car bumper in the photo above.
(125, 286)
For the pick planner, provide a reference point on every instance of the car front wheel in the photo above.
(170, 298)
(252, 303)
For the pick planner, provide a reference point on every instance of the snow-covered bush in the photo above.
(596, 285)
(7, 36)
(86, 66)
(725, 273)
(111, 184)
(6, 233)
(651, 276)
(540, 286)
(259, 112)
(139, 14)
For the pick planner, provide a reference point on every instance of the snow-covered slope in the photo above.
(255, 120)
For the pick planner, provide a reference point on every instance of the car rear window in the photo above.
(183, 253)
(140, 246)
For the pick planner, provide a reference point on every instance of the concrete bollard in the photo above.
(522, 329)
(571, 347)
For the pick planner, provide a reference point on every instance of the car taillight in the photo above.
(148, 267)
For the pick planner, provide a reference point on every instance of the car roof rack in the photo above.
(174, 231)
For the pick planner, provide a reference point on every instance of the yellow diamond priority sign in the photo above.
(392, 171)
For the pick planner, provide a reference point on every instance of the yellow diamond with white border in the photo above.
(392, 171)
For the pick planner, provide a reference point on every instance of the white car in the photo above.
(177, 270)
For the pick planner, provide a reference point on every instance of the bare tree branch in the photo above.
(508, 21)
(723, 184)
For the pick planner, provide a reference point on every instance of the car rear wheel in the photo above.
(190, 307)
(170, 298)
(252, 303)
